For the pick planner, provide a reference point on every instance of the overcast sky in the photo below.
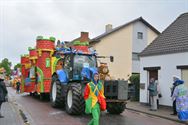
(21, 21)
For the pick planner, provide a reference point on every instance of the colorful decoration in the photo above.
(104, 72)
(38, 65)
(44, 59)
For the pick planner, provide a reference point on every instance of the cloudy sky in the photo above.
(21, 21)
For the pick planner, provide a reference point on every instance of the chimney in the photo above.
(84, 37)
(108, 28)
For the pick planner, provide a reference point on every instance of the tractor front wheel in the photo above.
(74, 100)
(56, 98)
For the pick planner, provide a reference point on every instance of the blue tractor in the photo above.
(68, 83)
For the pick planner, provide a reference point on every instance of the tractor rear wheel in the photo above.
(56, 98)
(74, 100)
(115, 107)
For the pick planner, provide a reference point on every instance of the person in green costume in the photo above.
(93, 90)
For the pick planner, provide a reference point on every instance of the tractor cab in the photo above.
(76, 66)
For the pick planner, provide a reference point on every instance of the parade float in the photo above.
(62, 73)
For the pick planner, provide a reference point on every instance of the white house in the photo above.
(166, 56)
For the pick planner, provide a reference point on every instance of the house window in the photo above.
(135, 56)
(139, 35)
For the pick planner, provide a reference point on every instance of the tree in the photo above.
(6, 65)
(18, 65)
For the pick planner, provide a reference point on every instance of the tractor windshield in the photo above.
(81, 61)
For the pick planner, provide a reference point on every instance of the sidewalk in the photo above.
(11, 113)
(162, 112)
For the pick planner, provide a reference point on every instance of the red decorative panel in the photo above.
(47, 85)
(24, 59)
(82, 48)
(41, 62)
(33, 53)
(45, 44)
(30, 87)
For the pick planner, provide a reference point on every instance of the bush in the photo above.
(135, 80)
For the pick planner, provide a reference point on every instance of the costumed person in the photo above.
(94, 98)
(153, 94)
(3, 92)
(180, 94)
(58, 46)
(175, 79)
(64, 47)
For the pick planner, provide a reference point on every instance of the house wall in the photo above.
(135, 66)
(119, 45)
(138, 45)
(168, 65)
(151, 35)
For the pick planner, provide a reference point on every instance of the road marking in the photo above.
(55, 113)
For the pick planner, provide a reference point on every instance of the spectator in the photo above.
(158, 92)
(175, 79)
(153, 94)
(18, 85)
(3, 92)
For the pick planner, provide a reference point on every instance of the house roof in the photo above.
(173, 39)
(97, 39)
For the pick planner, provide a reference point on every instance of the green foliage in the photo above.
(39, 37)
(78, 43)
(135, 79)
(52, 39)
(42, 38)
(18, 65)
(6, 65)
(30, 48)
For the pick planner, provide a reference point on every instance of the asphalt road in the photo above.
(41, 113)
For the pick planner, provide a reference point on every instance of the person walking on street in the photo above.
(180, 94)
(18, 85)
(94, 98)
(175, 79)
(153, 94)
(3, 92)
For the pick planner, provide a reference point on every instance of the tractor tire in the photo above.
(75, 103)
(115, 107)
(56, 98)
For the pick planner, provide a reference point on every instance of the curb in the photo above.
(19, 111)
(24, 117)
(186, 123)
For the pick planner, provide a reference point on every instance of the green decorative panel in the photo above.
(47, 62)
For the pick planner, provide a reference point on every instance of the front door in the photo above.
(153, 74)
